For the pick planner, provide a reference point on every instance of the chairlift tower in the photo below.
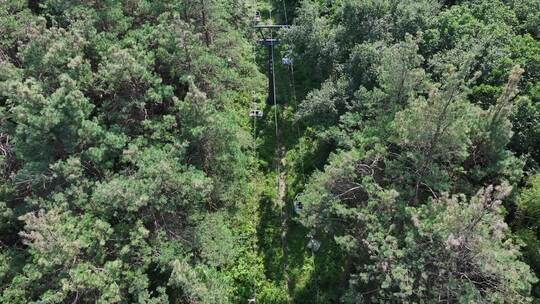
(269, 43)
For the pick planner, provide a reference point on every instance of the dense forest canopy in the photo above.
(397, 163)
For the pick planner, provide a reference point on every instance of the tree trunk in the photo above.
(344, 279)
(207, 37)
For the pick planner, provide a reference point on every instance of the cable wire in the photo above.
(285, 12)
(298, 133)
(255, 153)
(274, 88)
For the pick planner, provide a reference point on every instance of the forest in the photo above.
(269, 151)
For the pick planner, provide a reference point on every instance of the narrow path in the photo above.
(282, 191)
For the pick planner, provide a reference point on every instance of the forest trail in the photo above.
(281, 202)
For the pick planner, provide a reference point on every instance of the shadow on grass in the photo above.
(268, 239)
(315, 277)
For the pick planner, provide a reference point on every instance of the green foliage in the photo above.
(127, 175)
(527, 13)
(199, 284)
(120, 168)
(452, 249)
(529, 204)
(426, 105)
(527, 224)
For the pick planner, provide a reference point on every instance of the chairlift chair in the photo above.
(257, 18)
(314, 245)
(255, 113)
(297, 205)
(287, 61)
